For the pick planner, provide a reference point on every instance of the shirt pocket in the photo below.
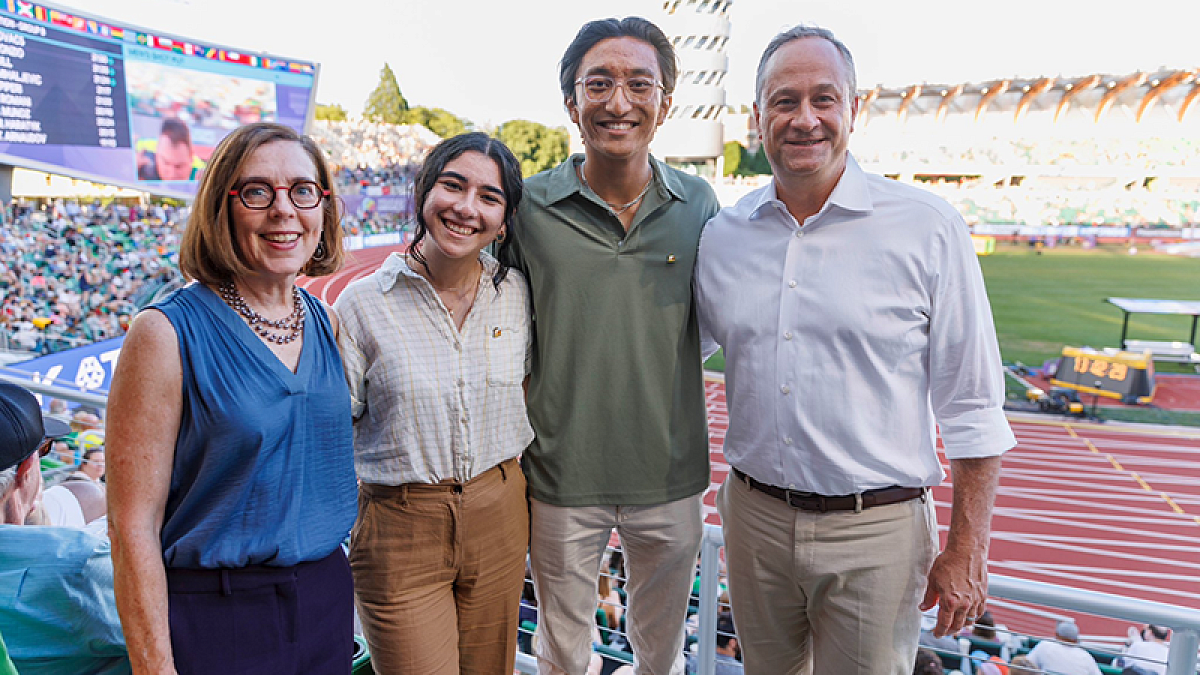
(505, 356)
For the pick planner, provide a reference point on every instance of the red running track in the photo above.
(1106, 507)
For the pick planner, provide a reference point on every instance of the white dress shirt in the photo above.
(847, 337)
(430, 402)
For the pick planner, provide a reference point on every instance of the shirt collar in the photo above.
(851, 192)
(396, 266)
(564, 180)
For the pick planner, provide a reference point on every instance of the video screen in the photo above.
(89, 98)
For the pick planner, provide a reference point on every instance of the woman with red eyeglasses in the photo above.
(230, 469)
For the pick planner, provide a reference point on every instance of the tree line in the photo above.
(537, 146)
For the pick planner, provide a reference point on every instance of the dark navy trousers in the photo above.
(263, 620)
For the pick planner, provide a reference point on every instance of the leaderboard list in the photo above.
(59, 87)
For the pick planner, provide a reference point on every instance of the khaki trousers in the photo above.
(660, 542)
(825, 593)
(438, 571)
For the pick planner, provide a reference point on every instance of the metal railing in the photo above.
(1183, 621)
(73, 394)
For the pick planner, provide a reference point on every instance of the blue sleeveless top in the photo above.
(264, 461)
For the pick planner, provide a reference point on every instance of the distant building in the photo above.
(693, 133)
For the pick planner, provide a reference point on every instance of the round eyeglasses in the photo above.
(257, 195)
(600, 88)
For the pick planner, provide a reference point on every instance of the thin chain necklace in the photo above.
(617, 208)
(270, 329)
(459, 293)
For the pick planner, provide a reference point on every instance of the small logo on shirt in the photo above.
(496, 332)
(671, 259)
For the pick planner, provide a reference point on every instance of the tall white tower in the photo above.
(693, 132)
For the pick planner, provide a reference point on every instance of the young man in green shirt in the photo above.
(607, 241)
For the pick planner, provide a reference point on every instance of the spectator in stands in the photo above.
(984, 627)
(527, 613)
(61, 456)
(172, 157)
(62, 508)
(854, 320)
(616, 396)
(928, 663)
(232, 484)
(1148, 651)
(435, 345)
(59, 616)
(93, 463)
(946, 644)
(77, 275)
(988, 664)
(728, 654)
(611, 607)
(1064, 656)
(88, 493)
(1021, 665)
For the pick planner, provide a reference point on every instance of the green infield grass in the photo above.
(1043, 302)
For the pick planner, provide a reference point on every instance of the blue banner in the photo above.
(89, 368)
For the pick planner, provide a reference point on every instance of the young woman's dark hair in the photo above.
(449, 150)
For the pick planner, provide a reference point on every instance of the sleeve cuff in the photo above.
(978, 433)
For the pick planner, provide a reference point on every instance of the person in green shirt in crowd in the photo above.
(6, 664)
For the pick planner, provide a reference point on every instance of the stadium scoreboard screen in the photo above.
(90, 98)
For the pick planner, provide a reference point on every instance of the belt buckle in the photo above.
(797, 500)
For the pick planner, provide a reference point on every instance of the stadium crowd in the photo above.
(887, 143)
(77, 270)
(366, 153)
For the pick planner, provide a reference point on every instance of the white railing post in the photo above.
(1181, 660)
(710, 554)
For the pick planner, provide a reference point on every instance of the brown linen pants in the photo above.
(438, 572)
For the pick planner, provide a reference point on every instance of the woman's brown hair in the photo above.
(209, 252)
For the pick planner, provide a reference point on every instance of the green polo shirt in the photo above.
(616, 390)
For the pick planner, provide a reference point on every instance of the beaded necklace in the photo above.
(290, 326)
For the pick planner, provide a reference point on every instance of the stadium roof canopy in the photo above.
(1138, 94)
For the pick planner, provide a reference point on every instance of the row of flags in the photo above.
(54, 17)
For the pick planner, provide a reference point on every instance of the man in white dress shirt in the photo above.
(854, 320)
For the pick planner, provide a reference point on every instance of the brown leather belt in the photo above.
(809, 501)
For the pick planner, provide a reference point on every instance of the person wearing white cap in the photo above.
(1064, 656)
(60, 614)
